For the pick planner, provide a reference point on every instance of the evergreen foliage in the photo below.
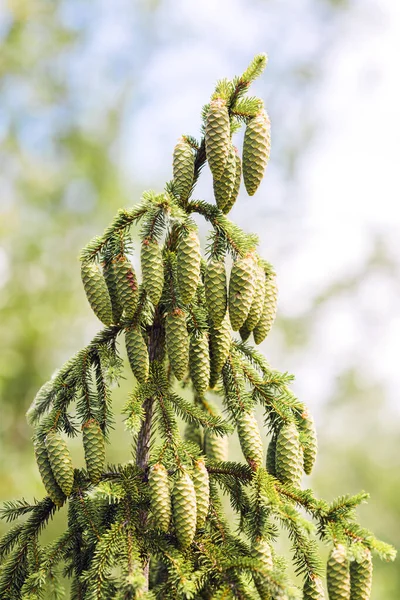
(155, 527)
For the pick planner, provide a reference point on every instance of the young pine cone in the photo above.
(361, 577)
(199, 362)
(160, 497)
(94, 448)
(216, 291)
(256, 151)
(49, 481)
(138, 355)
(127, 286)
(202, 488)
(60, 461)
(184, 510)
(338, 574)
(257, 304)
(250, 439)
(177, 341)
(262, 329)
(313, 589)
(224, 186)
(289, 455)
(96, 291)
(110, 276)
(241, 291)
(216, 447)
(220, 343)
(188, 259)
(236, 186)
(309, 441)
(217, 137)
(183, 168)
(152, 269)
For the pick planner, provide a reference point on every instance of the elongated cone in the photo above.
(138, 355)
(184, 510)
(96, 290)
(193, 434)
(250, 439)
(202, 486)
(183, 167)
(94, 448)
(110, 277)
(177, 340)
(223, 187)
(199, 362)
(60, 462)
(49, 481)
(256, 151)
(262, 329)
(241, 291)
(160, 497)
(338, 574)
(216, 291)
(257, 304)
(127, 286)
(313, 589)
(309, 441)
(361, 578)
(236, 186)
(271, 456)
(216, 448)
(152, 269)
(188, 261)
(289, 455)
(220, 343)
(261, 551)
(217, 136)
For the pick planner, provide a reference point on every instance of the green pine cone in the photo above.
(152, 269)
(51, 486)
(60, 461)
(188, 259)
(257, 304)
(224, 186)
(96, 290)
(361, 578)
(216, 448)
(193, 434)
(184, 510)
(177, 341)
(202, 487)
(262, 329)
(138, 355)
(271, 456)
(217, 137)
(183, 168)
(199, 362)
(241, 291)
(313, 589)
(244, 333)
(250, 439)
(256, 151)
(261, 550)
(220, 343)
(236, 186)
(127, 286)
(289, 455)
(338, 574)
(160, 497)
(309, 441)
(216, 291)
(94, 448)
(110, 277)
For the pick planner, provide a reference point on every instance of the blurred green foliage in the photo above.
(60, 184)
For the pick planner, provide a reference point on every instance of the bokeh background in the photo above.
(94, 95)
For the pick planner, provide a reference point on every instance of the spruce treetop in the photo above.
(155, 527)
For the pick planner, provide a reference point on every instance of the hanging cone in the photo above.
(177, 340)
(110, 277)
(152, 269)
(60, 462)
(256, 151)
(338, 574)
(236, 186)
(361, 577)
(216, 448)
(49, 481)
(160, 497)
(188, 259)
(309, 440)
(217, 137)
(313, 589)
(250, 439)
(96, 290)
(127, 286)
(184, 510)
(216, 291)
(199, 362)
(202, 488)
(289, 455)
(224, 186)
(220, 343)
(257, 304)
(265, 323)
(94, 448)
(138, 355)
(183, 167)
(241, 291)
